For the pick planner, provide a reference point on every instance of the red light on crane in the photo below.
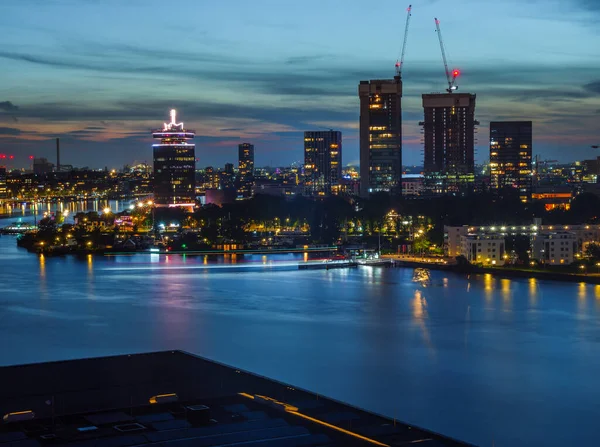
(455, 73)
(31, 157)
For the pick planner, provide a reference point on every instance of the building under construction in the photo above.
(449, 136)
(449, 140)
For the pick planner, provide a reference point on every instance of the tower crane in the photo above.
(400, 61)
(451, 77)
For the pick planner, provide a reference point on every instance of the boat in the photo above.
(18, 228)
(421, 275)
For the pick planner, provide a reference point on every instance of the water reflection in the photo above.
(419, 305)
(43, 285)
(533, 291)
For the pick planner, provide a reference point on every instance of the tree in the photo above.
(520, 246)
(593, 251)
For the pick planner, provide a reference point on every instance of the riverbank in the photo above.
(506, 272)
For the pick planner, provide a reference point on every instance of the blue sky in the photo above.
(101, 73)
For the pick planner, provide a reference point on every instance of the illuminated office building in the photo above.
(380, 136)
(245, 169)
(510, 157)
(174, 165)
(322, 162)
(3, 190)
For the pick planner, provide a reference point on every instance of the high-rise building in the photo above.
(322, 162)
(3, 190)
(245, 169)
(449, 137)
(380, 136)
(174, 165)
(510, 157)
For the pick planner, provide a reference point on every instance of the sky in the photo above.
(100, 74)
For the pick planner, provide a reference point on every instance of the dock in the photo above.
(176, 399)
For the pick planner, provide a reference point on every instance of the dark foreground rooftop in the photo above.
(106, 402)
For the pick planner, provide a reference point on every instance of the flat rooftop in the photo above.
(175, 399)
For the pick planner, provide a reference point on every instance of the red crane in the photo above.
(451, 77)
(400, 60)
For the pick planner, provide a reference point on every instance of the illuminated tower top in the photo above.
(173, 132)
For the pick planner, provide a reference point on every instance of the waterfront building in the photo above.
(245, 169)
(449, 142)
(322, 162)
(483, 249)
(380, 136)
(510, 157)
(584, 234)
(174, 165)
(555, 247)
(3, 189)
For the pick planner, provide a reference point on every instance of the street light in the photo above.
(106, 210)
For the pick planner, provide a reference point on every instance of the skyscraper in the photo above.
(174, 165)
(3, 190)
(449, 137)
(322, 162)
(380, 136)
(510, 157)
(245, 169)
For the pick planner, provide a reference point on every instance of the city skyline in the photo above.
(101, 89)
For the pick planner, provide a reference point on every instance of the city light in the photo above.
(106, 210)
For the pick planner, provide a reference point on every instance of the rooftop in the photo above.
(175, 399)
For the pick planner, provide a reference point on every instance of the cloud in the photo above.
(593, 87)
(297, 60)
(592, 5)
(8, 106)
(211, 139)
(10, 131)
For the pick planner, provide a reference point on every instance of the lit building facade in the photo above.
(3, 189)
(174, 165)
(583, 235)
(557, 247)
(510, 157)
(380, 136)
(245, 169)
(483, 249)
(449, 140)
(322, 162)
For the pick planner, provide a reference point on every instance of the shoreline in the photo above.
(505, 272)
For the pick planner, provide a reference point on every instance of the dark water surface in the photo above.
(483, 359)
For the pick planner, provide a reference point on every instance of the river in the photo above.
(510, 361)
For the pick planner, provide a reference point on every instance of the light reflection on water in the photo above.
(468, 357)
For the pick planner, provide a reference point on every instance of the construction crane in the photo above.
(400, 60)
(451, 77)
